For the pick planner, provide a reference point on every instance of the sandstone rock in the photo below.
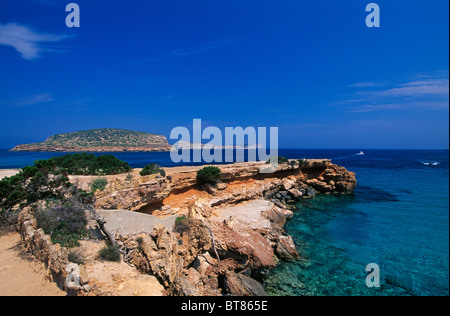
(237, 240)
(242, 285)
(295, 193)
(221, 186)
(204, 264)
(200, 209)
(192, 283)
(210, 188)
(286, 248)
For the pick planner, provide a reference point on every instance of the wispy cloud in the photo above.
(191, 51)
(27, 42)
(424, 93)
(367, 84)
(31, 100)
(211, 46)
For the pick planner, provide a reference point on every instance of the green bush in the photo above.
(110, 253)
(89, 164)
(75, 258)
(152, 169)
(129, 177)
(280, 159)
(65, 224)
(180, 220)
(302, 163)
(181, 224)
(210, 175)
(44, 180)
(8, 220)
(99, 184)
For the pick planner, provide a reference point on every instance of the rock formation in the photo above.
(232, 234)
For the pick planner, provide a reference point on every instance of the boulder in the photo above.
(234, 239)
(238, 284)
(286, 248)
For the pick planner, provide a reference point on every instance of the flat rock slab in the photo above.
(130, 223)
(248, 212)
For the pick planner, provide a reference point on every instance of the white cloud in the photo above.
(211, 46)
(28, 101)
(426, 93)
(217, 44)
(27, 42)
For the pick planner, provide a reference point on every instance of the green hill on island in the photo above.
(100, 140)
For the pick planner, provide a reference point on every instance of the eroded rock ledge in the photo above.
(233, 232)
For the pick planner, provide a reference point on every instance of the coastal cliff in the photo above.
(100, 140)
(228, 236)
(176, 237)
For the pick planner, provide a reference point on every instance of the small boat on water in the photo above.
(361, 153)
(432, 163)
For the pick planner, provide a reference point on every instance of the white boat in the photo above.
(361, 153)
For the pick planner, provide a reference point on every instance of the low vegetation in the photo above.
(152, 169)
(208, 175)
(45, 183)
(66, 224)
(99, 184)
(75, 258)
(90, 164)
(181, 224)
(45, 180)
(110, 253)
(302, 163)
(280, 159)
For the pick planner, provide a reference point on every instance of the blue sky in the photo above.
(311, 68)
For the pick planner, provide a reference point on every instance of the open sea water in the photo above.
(398, 218)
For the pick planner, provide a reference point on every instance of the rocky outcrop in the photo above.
(232, 234)
(241, 182)
(143, 196)
(214, 251)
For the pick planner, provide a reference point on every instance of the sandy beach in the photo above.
(8, 172)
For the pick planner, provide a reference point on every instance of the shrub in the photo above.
(129, 177)
(8, 220)
(180, 220)
(99, 184)
(110, 253)
(89, 164)
(65, 224)
(280, 159)
(43, 180)
(151, 169)
(181, 224)
(303, 163)
(75, 258)
(209, 175)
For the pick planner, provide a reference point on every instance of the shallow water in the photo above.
(398, 218)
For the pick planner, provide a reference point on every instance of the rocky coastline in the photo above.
(99, 140)
(42, 147)
(232, 233)
(179, 238)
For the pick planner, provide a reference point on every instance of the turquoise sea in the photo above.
(398, 218)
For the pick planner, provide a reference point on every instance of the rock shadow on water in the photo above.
(366, 194)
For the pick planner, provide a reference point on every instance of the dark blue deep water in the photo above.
(398, 218)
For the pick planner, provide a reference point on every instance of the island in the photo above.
(100, 140)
